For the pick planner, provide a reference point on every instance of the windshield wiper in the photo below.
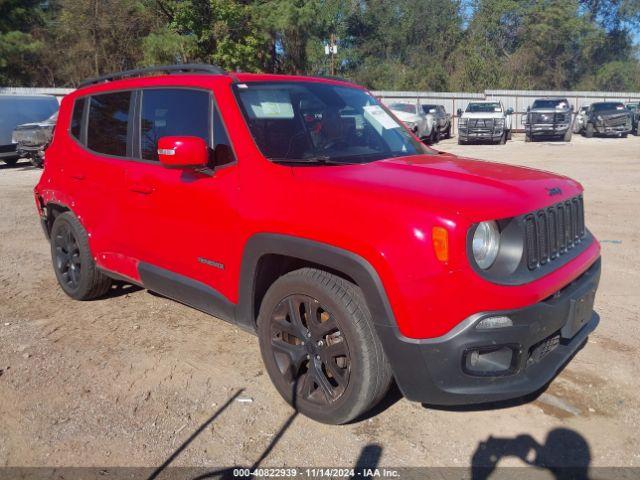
(317, 160)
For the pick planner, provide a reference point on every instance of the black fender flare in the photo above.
(400, 351)
(338, 259)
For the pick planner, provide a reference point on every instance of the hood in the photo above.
(406, 117)
(549, 110)
(483, 115)
(447, 185)
(613, 113)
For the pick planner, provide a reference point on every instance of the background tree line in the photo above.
(441, 45)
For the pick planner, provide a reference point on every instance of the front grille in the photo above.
(548, 118)
(480, 123)
(553, 231)
(616, 121)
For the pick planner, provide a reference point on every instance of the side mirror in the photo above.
(528, 108)
(459, 112)
(182, 152)
(509, 111)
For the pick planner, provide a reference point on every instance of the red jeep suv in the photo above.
(300, 209)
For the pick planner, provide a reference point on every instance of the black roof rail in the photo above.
(334, 77)
(181, 68)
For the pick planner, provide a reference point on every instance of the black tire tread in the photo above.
(351, 298)
(96, 283)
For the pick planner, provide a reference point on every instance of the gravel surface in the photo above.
(127, 379)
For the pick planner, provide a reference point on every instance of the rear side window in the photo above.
(172, 112)
(76, 118)
(109, 123)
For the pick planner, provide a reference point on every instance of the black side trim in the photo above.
(186, 290)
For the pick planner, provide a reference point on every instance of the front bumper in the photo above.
(434, 371)
(470, 134)
(617, 130)
(544, 129)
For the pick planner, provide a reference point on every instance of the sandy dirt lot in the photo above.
(126, 380)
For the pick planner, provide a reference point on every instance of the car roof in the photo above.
(199, 80)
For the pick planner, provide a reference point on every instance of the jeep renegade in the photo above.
(302, 210)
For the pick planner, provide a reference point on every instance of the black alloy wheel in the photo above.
(67, 257)
(320, 348)
(74, 266)
(309, 350)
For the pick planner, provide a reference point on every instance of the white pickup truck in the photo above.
(484, 121)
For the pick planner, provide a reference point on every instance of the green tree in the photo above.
(222, 32)
(18, 48)
(87, 38)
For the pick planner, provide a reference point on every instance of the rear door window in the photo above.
(109, 123)
(170, 112)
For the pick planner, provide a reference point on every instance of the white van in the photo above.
(19, 109)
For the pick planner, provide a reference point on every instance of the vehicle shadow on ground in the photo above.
(565, 454)
(21, 166)
(367, 460)
(119, 289)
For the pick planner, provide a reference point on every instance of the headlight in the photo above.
(499, 122)
(486, 242)
(462, 122)
(599, 118)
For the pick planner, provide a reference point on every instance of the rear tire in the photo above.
(73, 263)
(588, 131)
(319, 346)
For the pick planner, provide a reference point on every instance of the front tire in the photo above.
(319, 346)
(73, 263)
(588, 131)
(567, 136)
(12, 162)
(503, 138)
(433, 136)
(447, 134)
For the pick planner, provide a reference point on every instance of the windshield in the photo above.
(320, 122)
(632, 106)
(403, 107)
(550, 104)
(601, 107)
(484, 107)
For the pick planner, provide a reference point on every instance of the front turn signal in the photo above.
(441, 243)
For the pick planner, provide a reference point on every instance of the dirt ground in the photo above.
(127, 379)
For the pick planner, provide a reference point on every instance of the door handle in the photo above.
(143, 188)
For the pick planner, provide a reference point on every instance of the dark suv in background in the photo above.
(548, 117)
(607, 118)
